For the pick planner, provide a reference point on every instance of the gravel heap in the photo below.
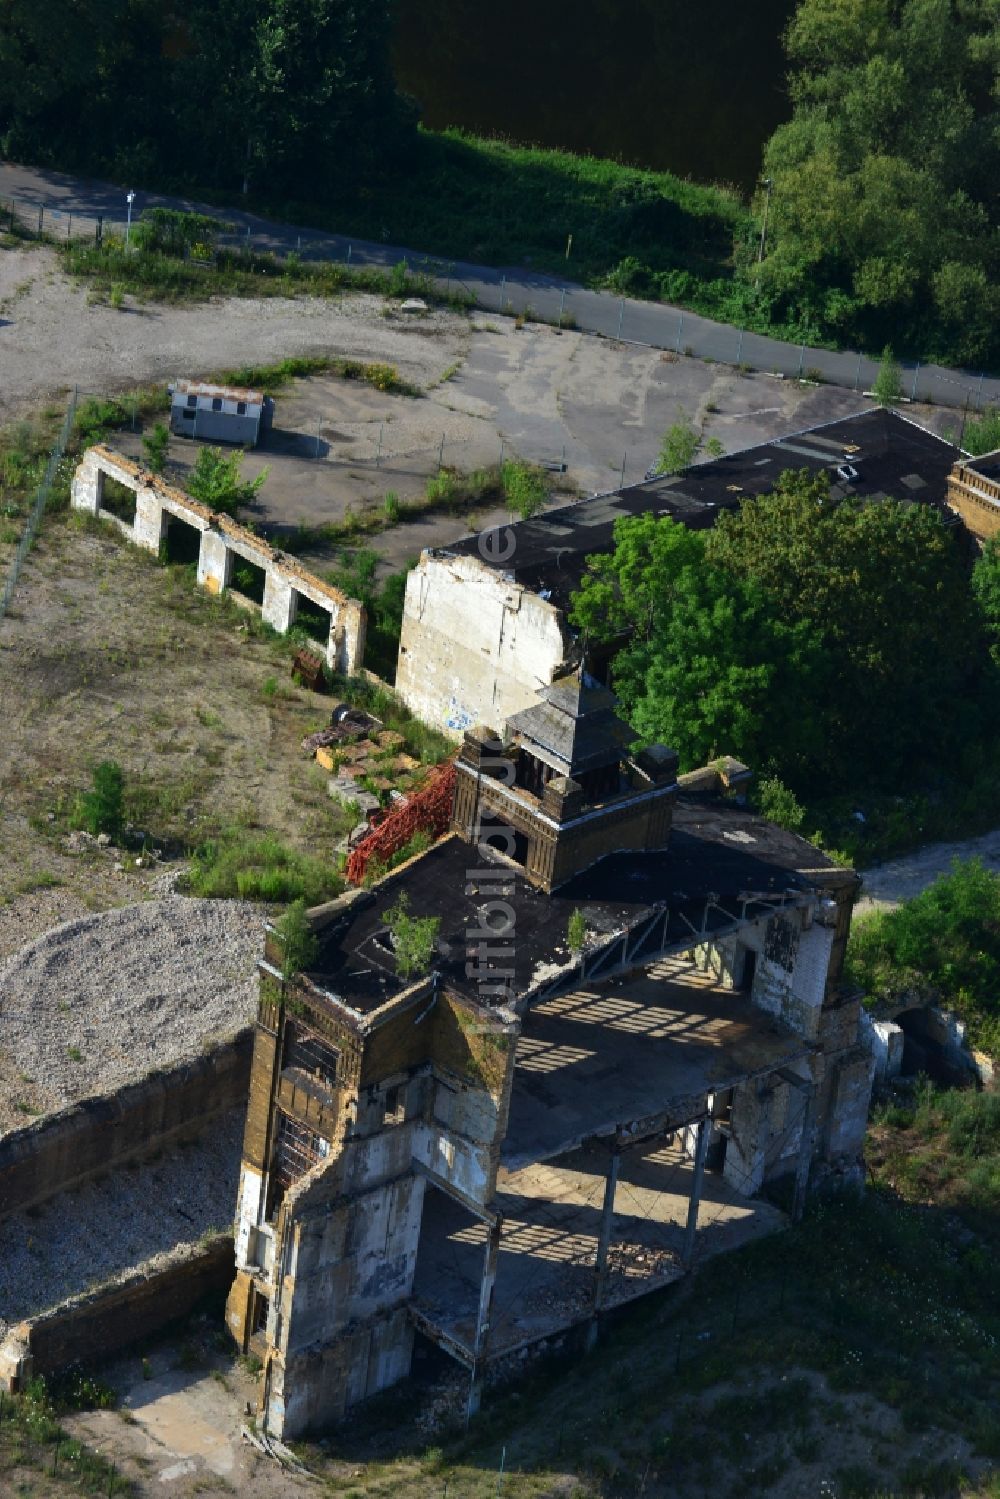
(137, 1215)
(102, 1001)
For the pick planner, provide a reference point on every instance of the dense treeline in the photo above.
(291, 94)
(842, 648)
(885, 214)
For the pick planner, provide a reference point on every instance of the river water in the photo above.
(695, 88)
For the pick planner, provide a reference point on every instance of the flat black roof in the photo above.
(894, 458)
(716, 848)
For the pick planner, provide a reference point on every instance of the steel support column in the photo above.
(700, 1149)
(483, 1320)
(604, 1243)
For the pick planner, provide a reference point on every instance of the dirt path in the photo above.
(52, 338)
(900, 879)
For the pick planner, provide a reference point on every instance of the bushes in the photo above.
(99, 810)
(944, 945)
(258, 866)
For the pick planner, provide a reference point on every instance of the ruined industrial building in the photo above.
(485, 621)
(627, 1045)
(496, 1150)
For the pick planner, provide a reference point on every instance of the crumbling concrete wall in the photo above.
(222, 541)
(99, 1134)
(113, 1317)
(475, 648)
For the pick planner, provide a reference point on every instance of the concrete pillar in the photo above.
(350, 655)
(279, 602)
(215, 562)
(483, 1320)
(604, 1243)
(687, 1254)
(88, 482)
(808, 1106)
(150, 521)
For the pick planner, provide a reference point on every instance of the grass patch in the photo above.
(38, 1458)
(151, 274)
(258, 866)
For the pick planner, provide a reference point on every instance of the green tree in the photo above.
(884, 586)
(986, 590)
(156, 445)
(680, 445)
(888, 385)
(576, 931)
(217, 482)
(414, 938)
(823, 642)
(299, 943)
(704, 665)
(99, 810)
(884, 215)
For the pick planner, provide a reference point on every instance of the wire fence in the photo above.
(525, 293)
(37, 510)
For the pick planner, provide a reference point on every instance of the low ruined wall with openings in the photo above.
(223, 544)
(101, 1134)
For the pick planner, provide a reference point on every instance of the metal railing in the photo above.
(527, 293)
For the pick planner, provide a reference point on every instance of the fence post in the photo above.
(680, 325)
(739, 351)
(802, 360)
(503, 288)
(69, 228)
(41, 218)
(562, 305)
(979, 392)
(857, 378)
(378, 455)
(622, 483)
(99, 232)
(621, 318)
(441, 452)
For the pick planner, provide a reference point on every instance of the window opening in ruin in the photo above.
(309, 1054)
(296, 1151)
(394, 1110)
(248, 579)
(312, 619)
(118, 499)
(749, 969)
(532, 774)
(261, 1308)
(181, 545)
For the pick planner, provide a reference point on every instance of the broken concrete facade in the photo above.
(222, 544)
(495, 1152)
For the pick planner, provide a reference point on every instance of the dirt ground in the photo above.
(108, 656)
(178, 1431)
(557, 398)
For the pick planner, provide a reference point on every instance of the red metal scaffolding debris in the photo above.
(428, 811)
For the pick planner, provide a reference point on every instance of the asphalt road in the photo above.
(514, 289)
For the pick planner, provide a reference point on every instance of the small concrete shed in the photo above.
(219, 413)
